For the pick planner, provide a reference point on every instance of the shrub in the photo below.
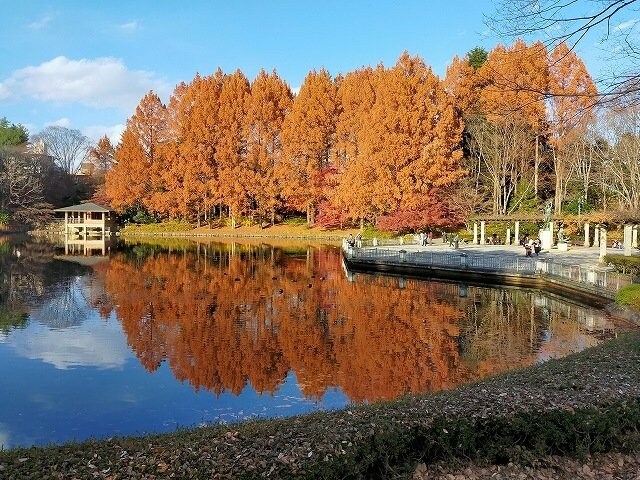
(295, 221)
(629, 265)
(143, 217)
(372, 232)
(172, 226)
(5, 218)
(629, 295)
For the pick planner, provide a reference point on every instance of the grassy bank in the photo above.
(585, 403)
(280, 231)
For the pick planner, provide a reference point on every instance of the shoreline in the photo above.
(585, 403)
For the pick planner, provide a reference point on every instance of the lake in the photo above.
(131, 337)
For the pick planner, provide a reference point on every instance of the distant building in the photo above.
(87, 219)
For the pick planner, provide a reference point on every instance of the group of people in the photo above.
(354, 241)
(531, 246)
(617, 244)
(425, 239)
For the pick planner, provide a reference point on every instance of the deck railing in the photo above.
(601, 279)
(88, 221)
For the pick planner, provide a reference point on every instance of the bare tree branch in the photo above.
(68, 147)
(570, 21)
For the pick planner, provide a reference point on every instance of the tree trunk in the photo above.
(536, 167)
(557, 204)
(310, 216)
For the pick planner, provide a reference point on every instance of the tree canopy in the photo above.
(12, 134)
(505, 130)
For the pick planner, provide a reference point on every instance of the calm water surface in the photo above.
(153, 336)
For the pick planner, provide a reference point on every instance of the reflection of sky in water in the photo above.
(71, 374)
(83, 382)
(96, 343)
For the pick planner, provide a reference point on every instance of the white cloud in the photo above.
(40, 23)
(96, 132)
(61, 122)
(99, 82)
(625, 25)
(129, 27)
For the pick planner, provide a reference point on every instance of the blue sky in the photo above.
(86, 64)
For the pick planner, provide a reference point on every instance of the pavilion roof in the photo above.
(83, 207)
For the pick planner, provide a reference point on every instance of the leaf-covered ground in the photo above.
(578, 406)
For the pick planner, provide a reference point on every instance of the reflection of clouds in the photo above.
(4, 437)
(93, 344)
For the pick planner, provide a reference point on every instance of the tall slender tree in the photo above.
(137, 176)
(268, 105)
(307, 137)
(232, 145)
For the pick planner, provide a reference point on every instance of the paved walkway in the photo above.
(576, 255)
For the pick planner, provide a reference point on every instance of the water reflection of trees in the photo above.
(31, 278)
(225, 315)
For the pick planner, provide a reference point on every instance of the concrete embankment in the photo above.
(577, 273)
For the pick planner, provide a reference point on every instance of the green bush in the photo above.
(5, 218)
(372, 232)
(143, 217)
(164, 227)
(629, 265)
(629, 295)
(295, 221)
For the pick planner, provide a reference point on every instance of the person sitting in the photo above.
(351, 241)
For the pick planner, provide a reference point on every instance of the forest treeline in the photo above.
(504, 131)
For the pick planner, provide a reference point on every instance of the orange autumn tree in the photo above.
(165, 199)
(231, 151)
(504, 137)
(572, 99)
(356, 96)
(136, 176)
(410, 140)
(121, 191)
(99, 161)
(464, 83)
(307, 138)
(268, 104)
(198, 133)
(101, 157)
(517, 80)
